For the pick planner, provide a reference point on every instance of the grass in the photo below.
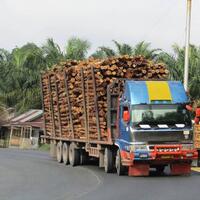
(44, 147)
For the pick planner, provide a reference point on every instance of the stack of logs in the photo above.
(74, 91)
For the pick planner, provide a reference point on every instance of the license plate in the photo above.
(166, 157)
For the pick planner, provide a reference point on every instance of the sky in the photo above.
(160, 22)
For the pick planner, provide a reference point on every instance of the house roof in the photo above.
(30, 118)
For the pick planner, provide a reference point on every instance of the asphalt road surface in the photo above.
(33, 175)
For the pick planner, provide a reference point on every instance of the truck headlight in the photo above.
(186, 134)
(136, 147)
(187, 146)
(141, 148)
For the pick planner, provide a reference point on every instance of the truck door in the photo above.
(124, 126)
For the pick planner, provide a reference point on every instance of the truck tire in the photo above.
(198, 160)
(108, 160)
(65, 152)
(74, 155)
(121, 170)
(83, 157)
(59, 152)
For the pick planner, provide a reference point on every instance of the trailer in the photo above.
(147, 124)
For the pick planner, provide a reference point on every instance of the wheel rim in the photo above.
(70, 155)
(65, 151)
(105, 161)
(117, 163)
(59, 156)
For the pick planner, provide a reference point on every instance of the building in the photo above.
(24, 130)
(4, 117)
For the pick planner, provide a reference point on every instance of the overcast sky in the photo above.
(161, 22)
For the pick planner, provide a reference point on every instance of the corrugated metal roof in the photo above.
(32, 118)
(27, 116)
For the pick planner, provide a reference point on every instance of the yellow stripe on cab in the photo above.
(158, 91)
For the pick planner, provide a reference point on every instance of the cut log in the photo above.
(78, 99)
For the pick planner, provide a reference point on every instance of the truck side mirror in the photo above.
(189, 107)
(126, 116)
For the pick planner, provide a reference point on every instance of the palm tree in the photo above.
(77, 48)
(5, 55)
(52, 52)
(105, 52)
(108, 52)
(194, 72)
(20, 70)
(144, 49)
(123, 49)
(175, 63)
(99, 54)
(3, 113)
(22, 77)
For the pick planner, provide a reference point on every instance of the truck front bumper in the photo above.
(160, 154)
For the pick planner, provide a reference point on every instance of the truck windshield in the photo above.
(170, 115)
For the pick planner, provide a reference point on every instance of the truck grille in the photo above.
(174, 149)
(158, 137)
(164, 149)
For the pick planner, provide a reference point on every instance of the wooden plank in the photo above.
(69, 104)
(42, 95)
(96, 104)
(58, 108)
(78, 140)
(84, 104)
(109, 128)
(88, 112)
(51, 106)
(112, 101)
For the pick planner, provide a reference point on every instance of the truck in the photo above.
(147, 125)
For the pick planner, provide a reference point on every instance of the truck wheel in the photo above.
(198, 160)
(59, 152)
(118, 164)
(74, 155)
(83, 157)
(65, 151)
(108, 160)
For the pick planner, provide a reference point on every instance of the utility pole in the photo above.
(187, 43)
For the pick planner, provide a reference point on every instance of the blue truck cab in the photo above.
(154, 128)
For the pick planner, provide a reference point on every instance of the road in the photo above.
(33, 175)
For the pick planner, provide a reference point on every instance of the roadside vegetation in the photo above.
(44, 147)
(20, 69)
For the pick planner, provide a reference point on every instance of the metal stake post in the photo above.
(187, 43)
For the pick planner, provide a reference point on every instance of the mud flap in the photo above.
(139, 170)
(180, 168)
